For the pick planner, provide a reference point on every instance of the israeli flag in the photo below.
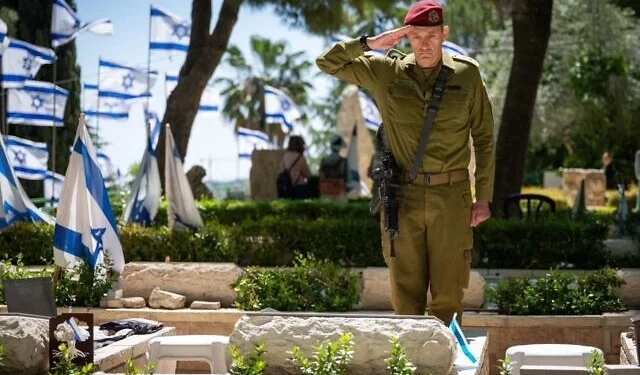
(117, 81)
(52, 188)
(29, 159)
(21, 62)
(209, 101)
(169, 32)
(249, 140)
(353, 174)
(279, 108)
(453, 49)
(3, 36)
(37, 103)
(461, 340)
(65, 24)
(142, 205)
(110, 108)
(15, 205)
(370, 113)
(154, 123)
(344, 38)
(85, 226)
(181, 206)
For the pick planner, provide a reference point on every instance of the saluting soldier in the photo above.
(436, 211)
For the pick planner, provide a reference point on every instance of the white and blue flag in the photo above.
(52, 188)
(3, 37)
(170, 33)
(37, 103)
(370, 113)
(454, 49)
(21, 62)
(182, 212)
(110, 108)
(209, 101)
(279, 108)
(85, 226)
(108, 170)
(144, 200)
(469, 359)
(15, 205)
(118, 81)
(249, 140)
(65, 24)
(29, 159)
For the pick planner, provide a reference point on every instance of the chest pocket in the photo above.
(404, 103)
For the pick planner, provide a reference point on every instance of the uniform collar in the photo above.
(447, 60)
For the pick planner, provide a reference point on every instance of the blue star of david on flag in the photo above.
(284, 103)
(37, 102)
(27, 63)
(20, 156)
(181, 30)
(127, 81)
(97, 234)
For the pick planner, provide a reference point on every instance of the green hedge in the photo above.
(351, 241)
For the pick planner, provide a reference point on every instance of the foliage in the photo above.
(310, 285)
(76, 287)
(559, 293)
(131, 369)
(63, 364)
(596, 365)
(589, 90)
(263, 234)
(329, 359)
(253, 365)
(1, 356)
(398, 363)
(505, 366)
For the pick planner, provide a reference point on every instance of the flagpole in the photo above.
(98, 99)
(148, 93)
(53, 131)
(3, 94)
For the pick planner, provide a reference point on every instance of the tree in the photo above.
(30, 21)
(531, 30)
(273, 65)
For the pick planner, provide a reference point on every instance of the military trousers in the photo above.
(433, 250)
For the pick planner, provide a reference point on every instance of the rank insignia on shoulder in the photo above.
(467, 59)
(395, 54)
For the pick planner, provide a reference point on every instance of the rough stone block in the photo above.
(160, 299)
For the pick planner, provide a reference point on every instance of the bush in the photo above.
(555, 241)
(311, 285)
(330, 359)
(558, 293)
(76, 287)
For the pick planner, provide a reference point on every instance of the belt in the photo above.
(432, 179)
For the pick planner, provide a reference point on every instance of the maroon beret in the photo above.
(425, 13)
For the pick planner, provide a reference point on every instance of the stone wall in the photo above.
(595, 185)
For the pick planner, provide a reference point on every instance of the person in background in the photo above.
(295, 161)
(333, 172)
(610, 172)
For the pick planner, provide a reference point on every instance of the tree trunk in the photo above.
(204, 55)
(531, 29)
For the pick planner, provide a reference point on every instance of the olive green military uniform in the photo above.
(434, 247)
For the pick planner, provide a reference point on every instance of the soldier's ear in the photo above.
(445, 32)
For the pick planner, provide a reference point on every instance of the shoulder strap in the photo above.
(294, 163)
(436, 98)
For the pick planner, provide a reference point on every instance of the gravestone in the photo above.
(429, 344)
(595, 185)
(265, 166)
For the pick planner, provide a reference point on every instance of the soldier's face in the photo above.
(426, 44)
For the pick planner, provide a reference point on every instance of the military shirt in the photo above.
(402, 92)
